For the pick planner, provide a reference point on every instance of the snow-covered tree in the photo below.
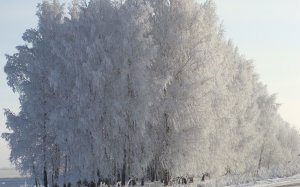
(113, 89)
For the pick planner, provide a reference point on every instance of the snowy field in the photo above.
(9, 173)
(13, 182)
(293, 182)
(11, 178)
(279, 182)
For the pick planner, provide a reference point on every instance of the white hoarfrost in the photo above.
(114, 89)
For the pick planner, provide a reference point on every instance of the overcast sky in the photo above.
(267, 31)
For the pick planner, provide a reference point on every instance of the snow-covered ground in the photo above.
(293, 181)
(9, 177)
(277, 182)
(13, 182)
(9, 173)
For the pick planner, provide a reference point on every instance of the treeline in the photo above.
(111, 89)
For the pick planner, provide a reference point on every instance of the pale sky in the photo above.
(267, 31)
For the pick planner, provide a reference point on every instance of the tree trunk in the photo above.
(123, 177)
(260, 158)
(142, 181)
(166, 177)
(36, 183)
(45, 177)
(65, 170)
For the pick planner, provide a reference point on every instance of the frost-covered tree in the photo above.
(152, 89)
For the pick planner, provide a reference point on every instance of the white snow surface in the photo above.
(276, 182)
(9, 173)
